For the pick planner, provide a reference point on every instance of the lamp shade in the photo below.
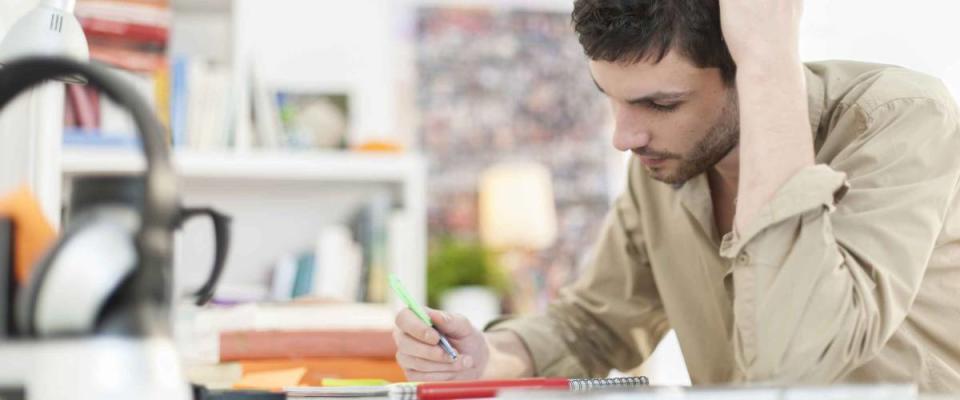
(517, 207)
(50, 29)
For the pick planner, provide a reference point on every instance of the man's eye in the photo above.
(663, 107)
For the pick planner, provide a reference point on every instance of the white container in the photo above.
(478, 303)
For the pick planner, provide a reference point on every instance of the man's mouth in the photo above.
(648, 159)
(651, 161)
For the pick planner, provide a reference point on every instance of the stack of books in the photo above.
(326, 340)
(130, 37)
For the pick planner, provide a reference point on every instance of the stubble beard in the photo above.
(722, 138)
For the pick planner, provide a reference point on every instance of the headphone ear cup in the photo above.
(73, 283)
(26, 296)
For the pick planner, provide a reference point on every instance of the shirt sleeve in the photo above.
(611, 317)
(828, 271)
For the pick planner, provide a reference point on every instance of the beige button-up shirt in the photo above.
(851, 273)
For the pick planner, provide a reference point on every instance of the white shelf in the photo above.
(274, 165)
(278, 199)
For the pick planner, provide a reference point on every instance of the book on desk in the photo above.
(346, 341)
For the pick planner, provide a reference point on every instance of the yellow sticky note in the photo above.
(271, 380)
(353, 382)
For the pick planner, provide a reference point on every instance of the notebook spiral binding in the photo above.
(409, 391)
(403, 391)
(600, 383)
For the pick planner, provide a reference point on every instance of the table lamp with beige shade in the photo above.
(518, 218)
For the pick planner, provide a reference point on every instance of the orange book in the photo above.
(259, 345)
(33, 233)
(319, 369)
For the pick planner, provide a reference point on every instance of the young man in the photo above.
(793, 223)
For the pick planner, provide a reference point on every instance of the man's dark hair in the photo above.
(629, 31)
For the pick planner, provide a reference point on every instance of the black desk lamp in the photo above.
(137, 309)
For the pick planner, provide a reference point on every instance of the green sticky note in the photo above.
(411, 304)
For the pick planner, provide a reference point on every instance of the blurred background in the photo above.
(458, 144)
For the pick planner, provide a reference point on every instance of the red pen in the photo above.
(490, 388)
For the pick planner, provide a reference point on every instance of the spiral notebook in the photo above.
(463, 389)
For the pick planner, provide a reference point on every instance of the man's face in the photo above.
(677, 118)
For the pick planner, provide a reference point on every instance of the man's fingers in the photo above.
(412, 347)
(408, 322)
(418, 364)
(455, 326)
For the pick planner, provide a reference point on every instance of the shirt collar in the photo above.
(695, 199)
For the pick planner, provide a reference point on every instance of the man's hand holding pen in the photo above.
(422, 358)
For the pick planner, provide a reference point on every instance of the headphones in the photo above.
(104, 275)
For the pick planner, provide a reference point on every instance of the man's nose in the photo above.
(630, 132)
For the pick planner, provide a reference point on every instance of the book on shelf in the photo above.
(139, 60)
(339, 260)
(348, 262)
(83, 108)
(264, 112)
(135, 33)
(283, 278)
(208, 110)
(92, 119)
(370, 229)
(329, 271)
(145, 12)
(126, 34)
(303, 280)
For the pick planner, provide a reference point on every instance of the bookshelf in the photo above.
(279, 197)
(332, 166)
(279, 201)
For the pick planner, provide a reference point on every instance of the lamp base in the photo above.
(527, 282)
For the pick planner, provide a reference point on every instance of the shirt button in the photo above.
(743, 258)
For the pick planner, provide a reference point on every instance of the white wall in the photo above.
(919, 34)
(316, 45)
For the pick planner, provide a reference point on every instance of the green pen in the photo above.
(413, 306)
